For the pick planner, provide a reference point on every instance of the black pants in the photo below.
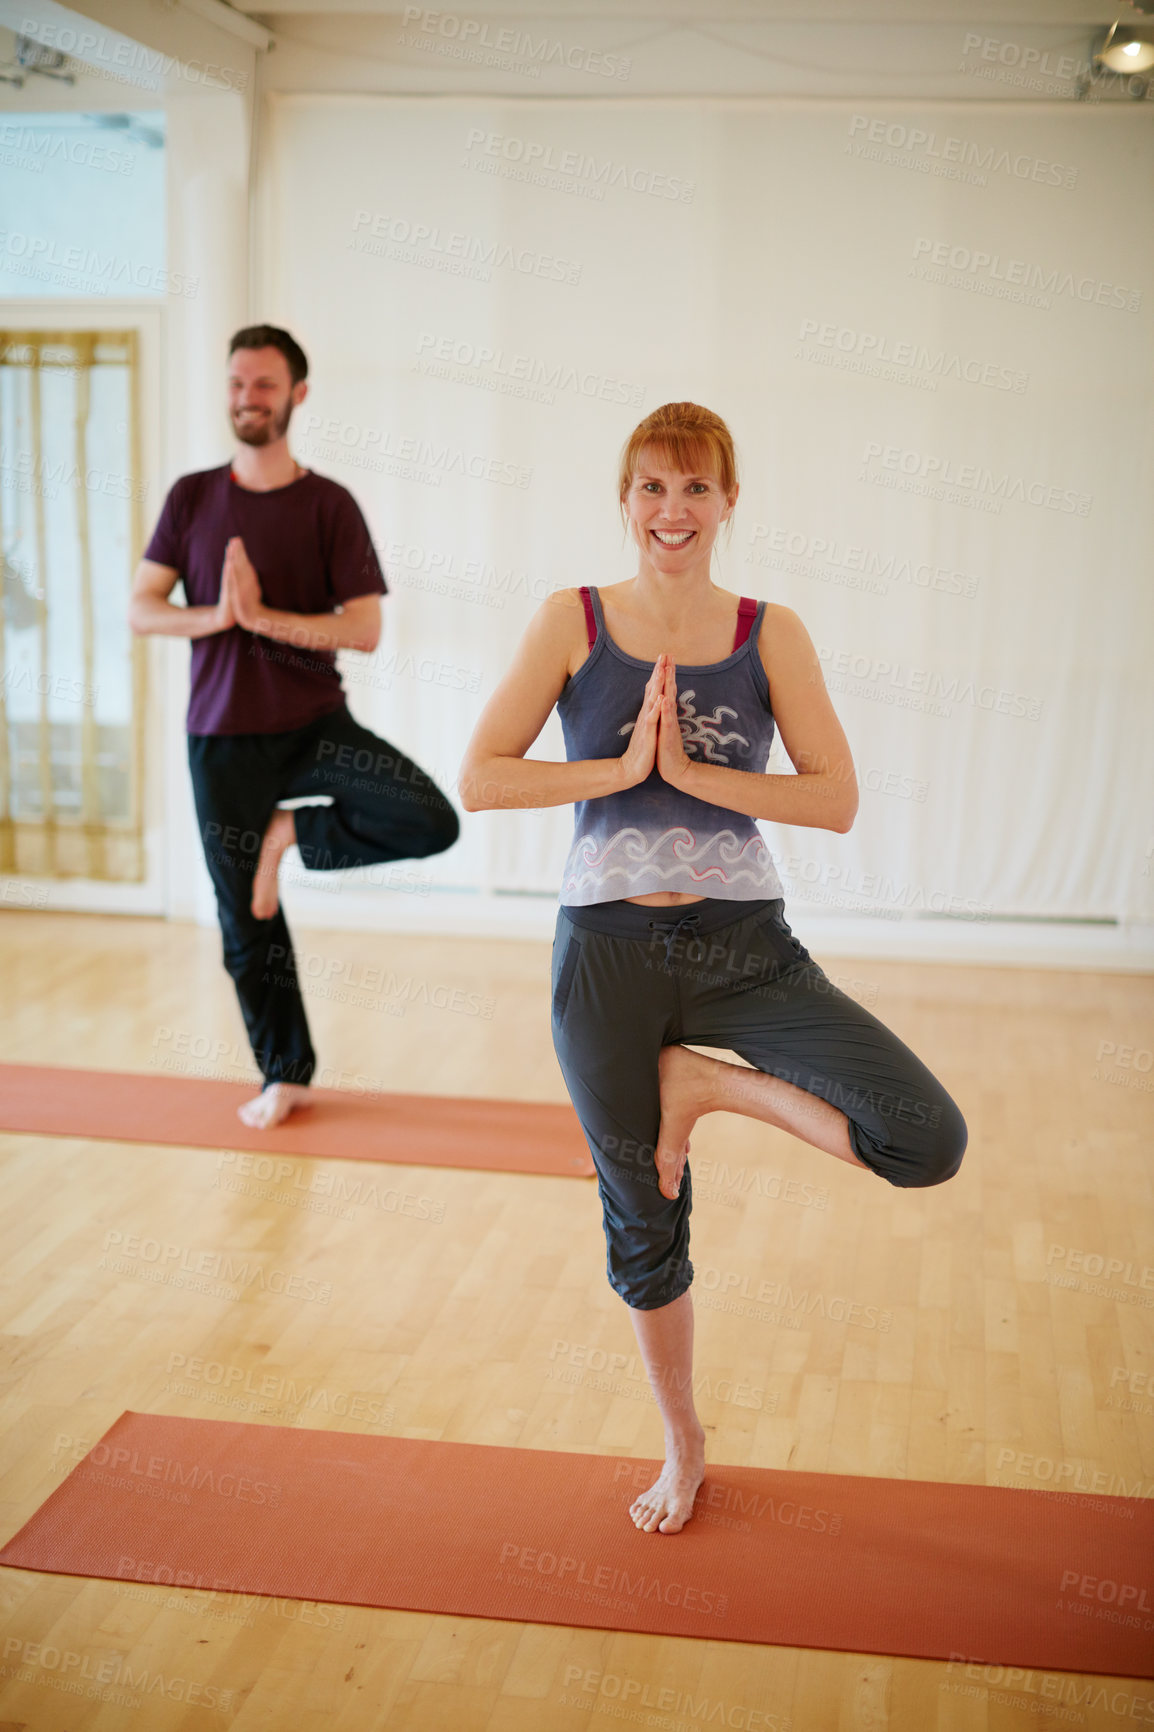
(629, 979)
(384, 807)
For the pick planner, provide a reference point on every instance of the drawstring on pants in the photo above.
(685, 920)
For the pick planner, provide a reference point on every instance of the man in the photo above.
(279, 572)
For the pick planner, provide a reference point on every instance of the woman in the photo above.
(671, 926)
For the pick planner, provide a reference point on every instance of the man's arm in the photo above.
(355, 625)
(150, 613)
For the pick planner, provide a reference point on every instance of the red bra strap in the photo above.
(590, 616)
(746, 609)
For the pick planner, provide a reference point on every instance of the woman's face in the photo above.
(674, 517)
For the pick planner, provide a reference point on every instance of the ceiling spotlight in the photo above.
(1126, 49)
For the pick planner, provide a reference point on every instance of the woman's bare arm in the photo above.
(824, 793)
(495, 771)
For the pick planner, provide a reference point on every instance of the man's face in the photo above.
(261, 395)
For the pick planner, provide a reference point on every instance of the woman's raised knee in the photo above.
(914, 1160)
(942, 1155)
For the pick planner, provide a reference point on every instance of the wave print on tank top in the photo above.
(655, 837)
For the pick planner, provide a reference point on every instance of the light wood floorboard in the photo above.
(971, 1362)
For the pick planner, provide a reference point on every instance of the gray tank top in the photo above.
(652, 836)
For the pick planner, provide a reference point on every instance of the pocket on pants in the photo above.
(563, 986)
(776, 930)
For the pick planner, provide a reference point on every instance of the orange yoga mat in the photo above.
(411, 1130)
(874, 1566)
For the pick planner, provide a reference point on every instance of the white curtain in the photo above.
(928, 328)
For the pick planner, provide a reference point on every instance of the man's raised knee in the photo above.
(443, 829)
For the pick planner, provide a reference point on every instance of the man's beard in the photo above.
(263, 431)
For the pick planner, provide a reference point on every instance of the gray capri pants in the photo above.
(629, 978)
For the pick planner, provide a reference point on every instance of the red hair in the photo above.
(691, 439)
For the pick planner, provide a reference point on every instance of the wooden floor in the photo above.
(992, 1349)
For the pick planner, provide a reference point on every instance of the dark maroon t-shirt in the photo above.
(312, 551)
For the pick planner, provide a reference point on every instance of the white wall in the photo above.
(802, 243)
(1001, 817)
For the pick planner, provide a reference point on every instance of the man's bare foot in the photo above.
(686, 1093)
(668, 1504)
(281, 834)
(276, 1103)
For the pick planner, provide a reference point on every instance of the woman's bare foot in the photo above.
(281, 834)
(668, 1504)
(276, 1102)
(686, 1080)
